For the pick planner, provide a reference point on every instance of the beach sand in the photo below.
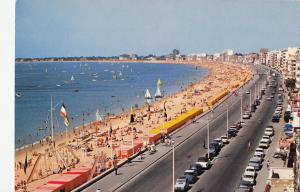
(220, 77)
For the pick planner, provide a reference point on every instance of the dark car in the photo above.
(197, 167)
(232, 132)
(275, 118)
(192, 175)
(212, 152)
(246, 185)
(216, 145)
(287, 116)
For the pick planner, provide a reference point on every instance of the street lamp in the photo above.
(173, 161)
(241, 106)
(227, 120)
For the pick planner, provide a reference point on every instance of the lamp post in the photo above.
(173, 162)
(241, 106)
(227, 120)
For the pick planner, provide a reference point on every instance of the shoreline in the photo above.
(58, 134)
(210, 85)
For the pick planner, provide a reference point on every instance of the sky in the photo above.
(55, 28)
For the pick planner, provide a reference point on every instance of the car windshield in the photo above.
(180, 181)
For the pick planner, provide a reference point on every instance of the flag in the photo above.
(63, 114)
(25, 164)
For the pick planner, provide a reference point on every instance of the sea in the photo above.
(84, 88)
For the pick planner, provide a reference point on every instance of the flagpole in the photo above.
(52, 135)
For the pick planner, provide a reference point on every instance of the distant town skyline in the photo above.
(107, 28)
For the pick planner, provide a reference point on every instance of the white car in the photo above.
(259, 156)
(269, 99)
(204, 162)
(269, 132)
(263, 144)
(279, 108)
(250, 170)
(246, 115)
(225, 139)
(268, 138)
(181, 184)
(249, 177)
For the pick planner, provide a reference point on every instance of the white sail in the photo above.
(98, 117)
(148, 95)
(120, 74)
(157, 93)
(72, 78)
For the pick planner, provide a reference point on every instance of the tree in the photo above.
(290, 84)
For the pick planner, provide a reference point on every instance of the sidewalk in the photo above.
(263, 174)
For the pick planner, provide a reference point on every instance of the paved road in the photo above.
(154, 173)
(227, 168)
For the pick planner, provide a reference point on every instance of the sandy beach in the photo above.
(97, 141)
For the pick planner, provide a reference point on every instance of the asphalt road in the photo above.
(228, 166)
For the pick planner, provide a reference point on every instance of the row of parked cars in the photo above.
(190, 176)
(255, 163)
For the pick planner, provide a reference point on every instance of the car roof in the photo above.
(189, 171)
(249, 167)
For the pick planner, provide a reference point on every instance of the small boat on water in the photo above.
(147, 94)
(75, 90)
(72, 78)
(158, 92)
(105, 70)
(120, 74)
(18, 94)
(46, 70)
(94, 79)
(58, 85)
(82, 73)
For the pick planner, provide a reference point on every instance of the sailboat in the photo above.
(18, 94)
(120, 74)
(158, 92)
(72, 78)
(147, 94)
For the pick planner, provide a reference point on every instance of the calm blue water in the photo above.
(97, 89)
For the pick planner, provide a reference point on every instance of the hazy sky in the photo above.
(112, 27)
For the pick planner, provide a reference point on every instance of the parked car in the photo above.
(254, 162)
(268, 138)
(261, 150)
(269, 99)
(248, 92)
(263, 144)
(275, 118)
(248, 177)
(246, 115)
(182, 184)
(246, 185)
(225, 139)
(251, 170)
(232, 132)
(204, 162)
(258, 155)
(219, 141)
(216, 145)
(192, 175)
(269, 132)
(197, 167)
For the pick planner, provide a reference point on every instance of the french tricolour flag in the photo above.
(63, 114)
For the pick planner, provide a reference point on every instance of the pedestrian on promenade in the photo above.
(249, 145)
(268, 164)
(115, 166)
